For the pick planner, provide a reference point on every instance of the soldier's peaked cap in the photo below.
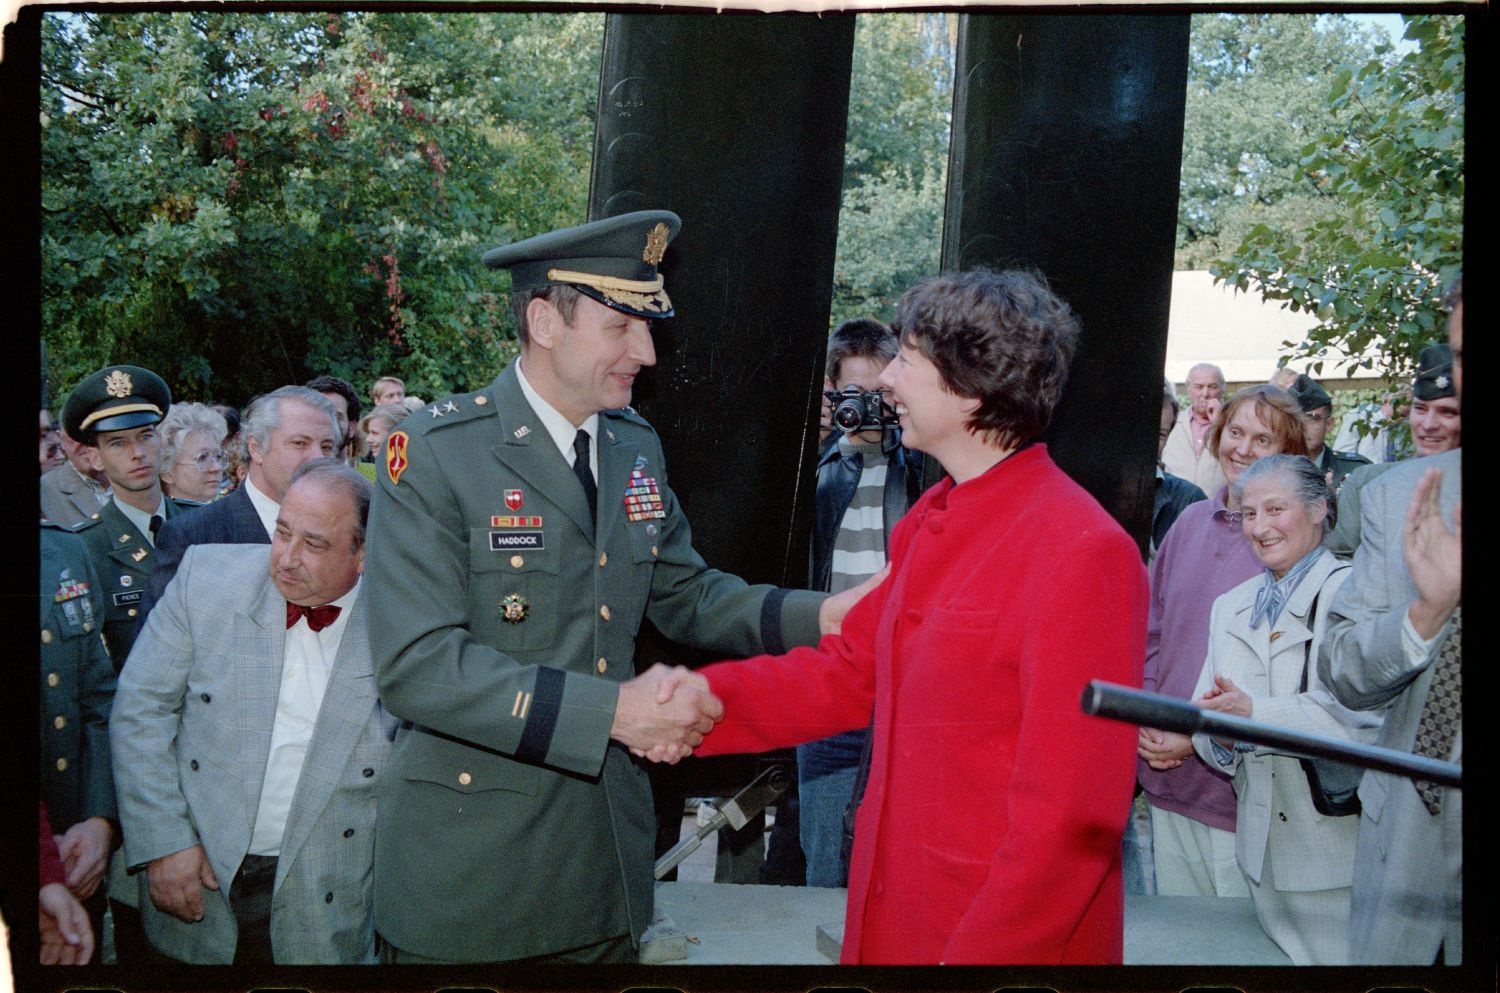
(613, 260)
(116, 398)
(1310, 393)
(1434, 379)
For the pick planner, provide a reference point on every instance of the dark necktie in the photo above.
(1441, 717)
(155, 526)
(584, 474)
(318, 618)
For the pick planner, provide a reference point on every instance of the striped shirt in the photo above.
(859, 547)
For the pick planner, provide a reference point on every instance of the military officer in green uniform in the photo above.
(77, 688)
(1317, 413)
(115, 411)
(518, 537)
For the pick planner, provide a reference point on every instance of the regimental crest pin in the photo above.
(514, 608)
(513, 500)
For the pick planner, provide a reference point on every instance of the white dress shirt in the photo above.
(265, 507)
(561, 430)
(304, 677)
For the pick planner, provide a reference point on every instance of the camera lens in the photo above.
(850, 413)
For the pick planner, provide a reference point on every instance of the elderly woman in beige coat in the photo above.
(1264, 635)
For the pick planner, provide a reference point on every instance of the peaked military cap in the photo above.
(115, 398)
(1434, 373)
(1310, 394)
(613, 260)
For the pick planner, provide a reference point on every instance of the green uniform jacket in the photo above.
(509, 824)
(78, 686)
(1341, 464)
(122, 557)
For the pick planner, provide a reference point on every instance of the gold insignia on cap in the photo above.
(117, 384)
(656, 244)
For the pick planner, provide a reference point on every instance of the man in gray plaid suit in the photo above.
(251, 741)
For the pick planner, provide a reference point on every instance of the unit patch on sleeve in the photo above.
(395, 455)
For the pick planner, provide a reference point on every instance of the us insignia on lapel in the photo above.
(395, 456)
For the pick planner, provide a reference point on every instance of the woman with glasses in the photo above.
(192, 452)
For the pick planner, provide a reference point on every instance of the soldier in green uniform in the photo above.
(518, 536)
(115, 411)
(77, 688)
(1317, 412)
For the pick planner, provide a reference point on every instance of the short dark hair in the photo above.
(859, 338)
(1002, 338)
(336, 475)
(231, 417)
(560, 295)
(333, 384)
(1454, 294)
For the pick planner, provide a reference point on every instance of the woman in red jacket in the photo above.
(990, 827)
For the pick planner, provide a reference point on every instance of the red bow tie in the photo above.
(318, 618)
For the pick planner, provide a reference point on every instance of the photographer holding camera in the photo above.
(866, 482)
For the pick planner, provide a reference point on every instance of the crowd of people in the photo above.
(326, 683)
(1288, 596)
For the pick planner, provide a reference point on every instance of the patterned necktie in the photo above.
(1441, 714)
(318, 618)
(584, 473)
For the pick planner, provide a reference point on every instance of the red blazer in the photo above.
(990, 829)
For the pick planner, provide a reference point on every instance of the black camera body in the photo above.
(855, 411)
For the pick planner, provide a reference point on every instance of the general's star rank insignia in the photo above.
(395, 456)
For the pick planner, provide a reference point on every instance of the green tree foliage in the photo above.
(243, 200)
(895, 160)
(1391, 164)
(1256, 85)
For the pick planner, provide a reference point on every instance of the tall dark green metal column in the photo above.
(1067, 144)
(737, 123)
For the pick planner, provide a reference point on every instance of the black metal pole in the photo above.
(1121, 703)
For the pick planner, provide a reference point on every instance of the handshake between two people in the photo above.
(663, 713)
